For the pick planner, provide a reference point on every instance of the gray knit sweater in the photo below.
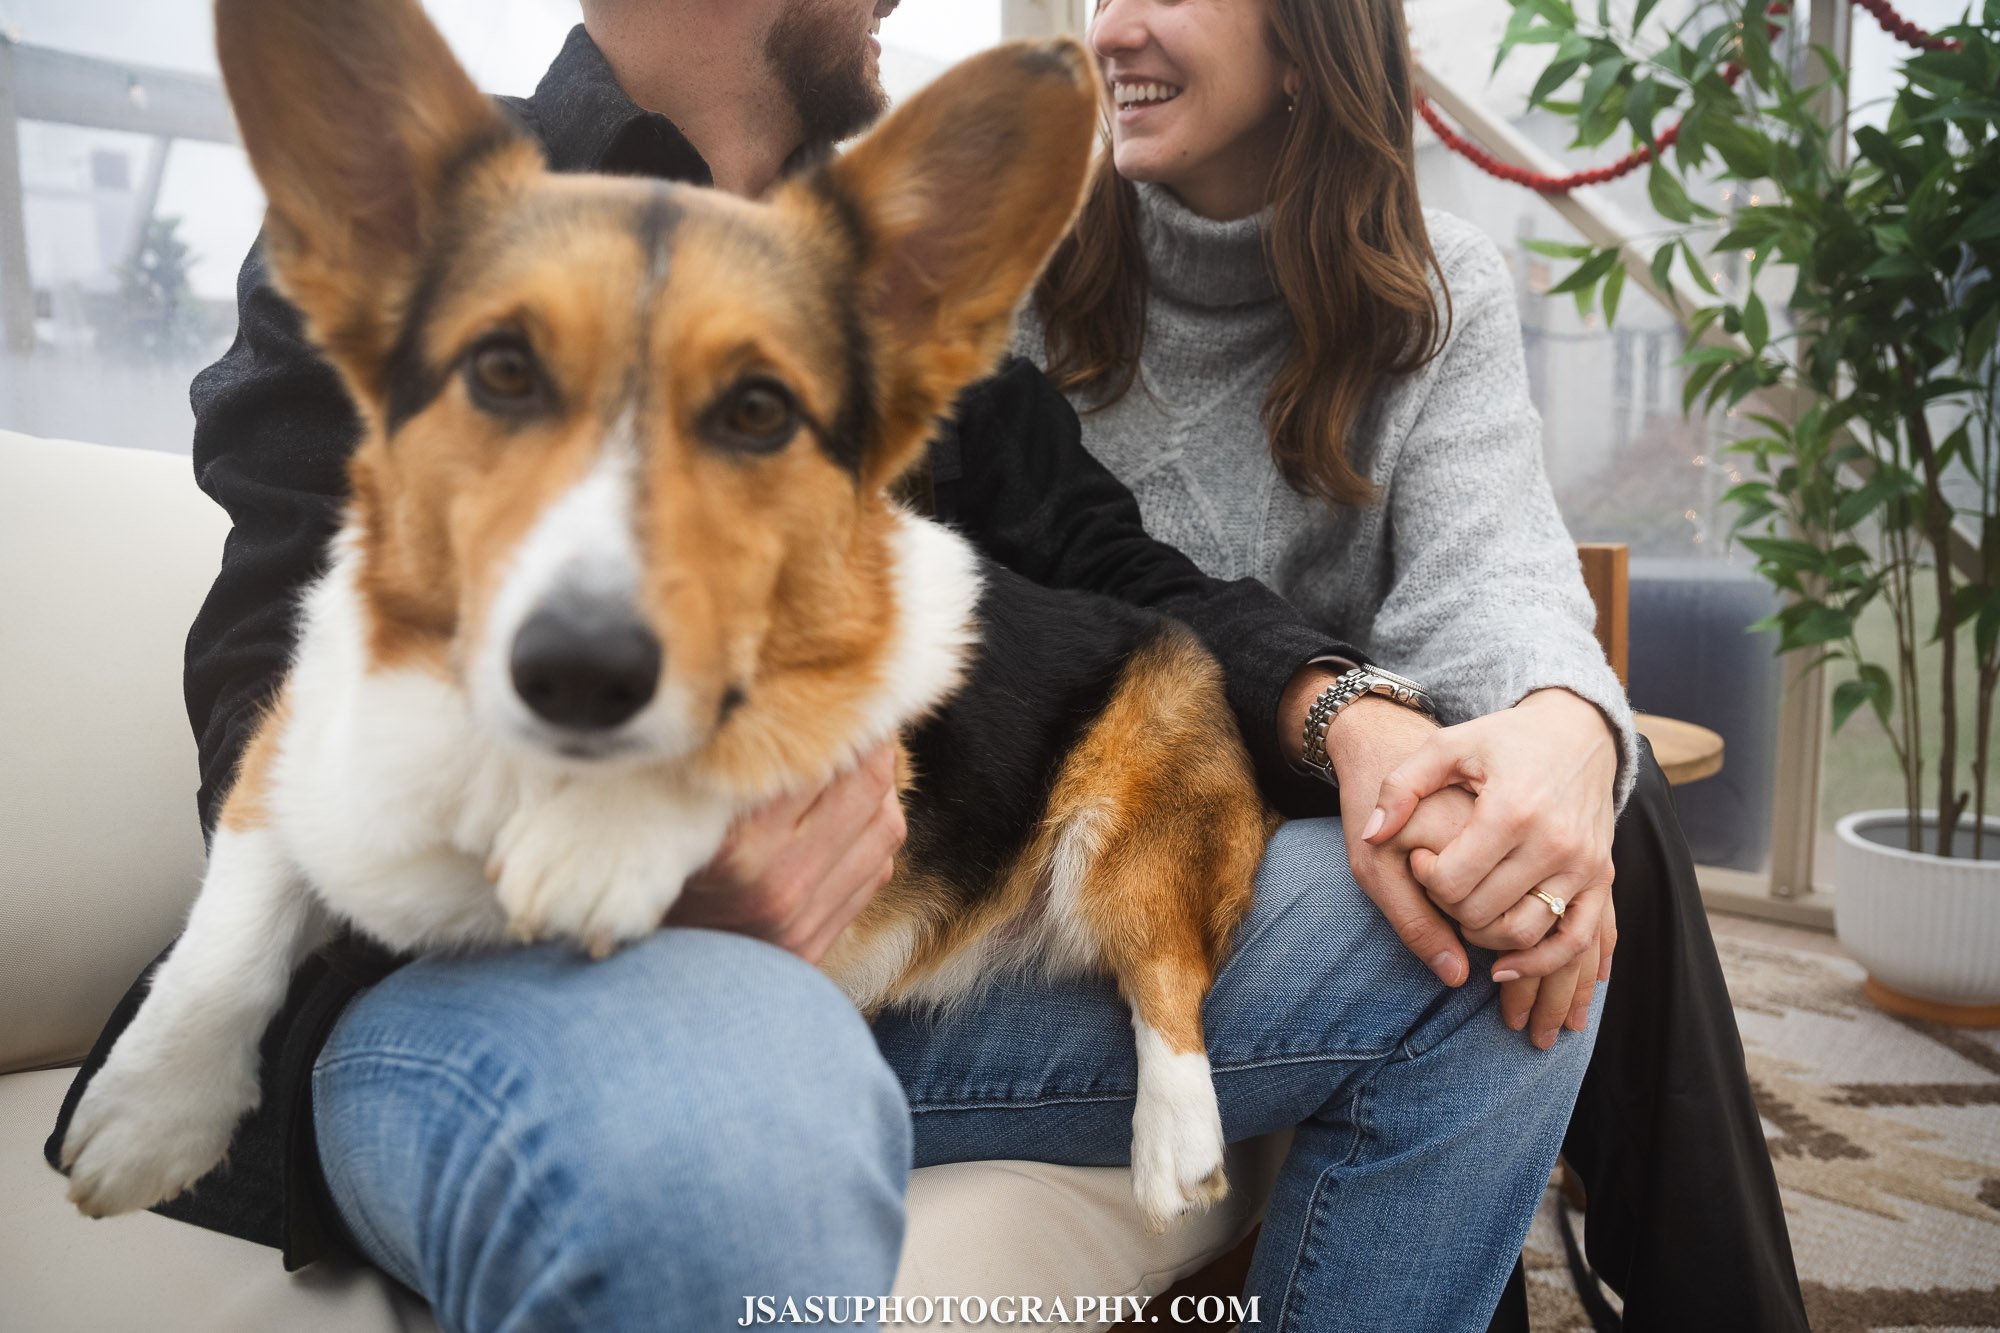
(1464, 578)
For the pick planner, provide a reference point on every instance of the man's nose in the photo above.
(586, 664)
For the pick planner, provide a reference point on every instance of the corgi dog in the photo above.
(621, 562)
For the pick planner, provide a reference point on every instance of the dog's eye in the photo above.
(758, 414)
(502, 373)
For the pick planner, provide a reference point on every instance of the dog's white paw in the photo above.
(1176, 1135)
(597, 867)
(145, 1131)
(1177, 1171)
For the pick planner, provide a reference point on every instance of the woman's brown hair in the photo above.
(1346, 246)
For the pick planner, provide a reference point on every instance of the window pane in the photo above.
(1626, 465)
(134, 242)
(925, 37)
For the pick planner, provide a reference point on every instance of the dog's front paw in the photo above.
(1177, 1155)
(144, 1133)
(599, 868)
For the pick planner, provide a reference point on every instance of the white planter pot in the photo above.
(1923, 925)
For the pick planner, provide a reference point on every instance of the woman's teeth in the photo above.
(1139, 94)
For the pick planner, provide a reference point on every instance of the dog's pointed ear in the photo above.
(367, 136)
(955, 203)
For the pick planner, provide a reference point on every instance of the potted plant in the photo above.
(1875, 467)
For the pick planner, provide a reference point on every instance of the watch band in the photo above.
(1346, 688)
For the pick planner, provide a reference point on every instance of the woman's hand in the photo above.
(1542, 1005)
(1547, 1005)
(798, 870)
(1543, 773)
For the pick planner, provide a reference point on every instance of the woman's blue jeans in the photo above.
(534, 1141)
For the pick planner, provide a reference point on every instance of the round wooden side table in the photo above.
(1687, 752)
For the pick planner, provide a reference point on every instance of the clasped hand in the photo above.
(1473, 819)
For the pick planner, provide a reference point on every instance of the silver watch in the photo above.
(1347, 687)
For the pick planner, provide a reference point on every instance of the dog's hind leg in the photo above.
(160, 1113)
(1159, 833)
(1164, 974)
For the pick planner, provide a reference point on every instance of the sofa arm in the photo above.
(105, 555)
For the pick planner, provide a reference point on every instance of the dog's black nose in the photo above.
(587, 666)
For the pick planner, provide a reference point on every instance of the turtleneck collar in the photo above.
(1198, 261)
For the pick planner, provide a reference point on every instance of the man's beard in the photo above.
(824, 71)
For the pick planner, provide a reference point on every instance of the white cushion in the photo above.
(105, 555)
(976, 1229)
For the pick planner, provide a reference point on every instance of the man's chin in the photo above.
(834, 104)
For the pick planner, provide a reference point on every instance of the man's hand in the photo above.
(797, 871)
(1366, 741)
(1543, 772)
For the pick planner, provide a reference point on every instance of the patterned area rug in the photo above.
(1886, 1137)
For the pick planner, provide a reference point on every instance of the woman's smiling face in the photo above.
(1199, 97)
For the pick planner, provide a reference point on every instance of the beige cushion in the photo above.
(105, 555)
(976, 1229)
(60, 1271)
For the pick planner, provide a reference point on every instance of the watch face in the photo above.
(1388, 682)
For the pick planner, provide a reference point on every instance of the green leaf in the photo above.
(1966, 600)
(1983, 225)
(1754, 227)
(1822, 624)
(1560, 249)
(1896, 266)
(1883, 694)
(1858, 505)
(1641, 104)
(1663, 263)
(1743, 492)
(1614, 286)
(1567, 61)
(1585, 276)
(1669, 196)
(1705, 356)
(1893, 237)
(1603, 77)
(1646, 7)
(1698, 323)
(1746, 380)
(1756, 324)
(1848, 696)
(1696, 382)
(1698, 269)
(1784, 552)
(1522, 31)
(1746, 153)
(1756, 45)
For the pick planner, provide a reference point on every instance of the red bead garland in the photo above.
(1893, 23)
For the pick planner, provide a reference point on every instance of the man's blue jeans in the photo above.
(534, 1141)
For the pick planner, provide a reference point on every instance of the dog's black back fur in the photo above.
(1046, 666)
